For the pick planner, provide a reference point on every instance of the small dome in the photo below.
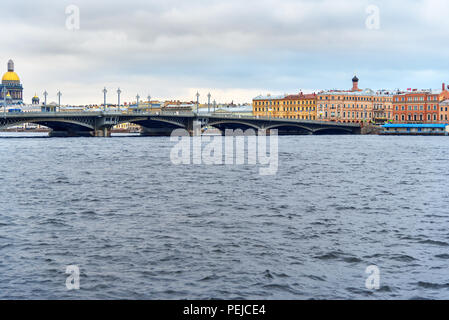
(11, 76)
(355, 79)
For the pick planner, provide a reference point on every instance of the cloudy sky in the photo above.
(236, 49)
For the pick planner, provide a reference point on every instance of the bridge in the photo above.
(99, 124)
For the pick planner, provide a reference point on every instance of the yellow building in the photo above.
(299, 106)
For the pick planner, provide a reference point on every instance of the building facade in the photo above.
(444, 111)
(355, 105)
(11, 86)
(420, 106)
(298, 106)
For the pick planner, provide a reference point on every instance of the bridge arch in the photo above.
(332, 130)
(157, 126)
(233, 124)
(290, 128)
(54, 124)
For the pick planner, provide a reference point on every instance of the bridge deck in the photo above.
(124, 116)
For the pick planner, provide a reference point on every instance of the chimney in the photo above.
(444, 86)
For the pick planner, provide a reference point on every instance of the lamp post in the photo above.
(118, 94)
(104, 92)
(4, 91)
(137, 97)
(215, 105)
(45, 97)
(208, 102)
(59, 100)
(197, 102)
(150, 106)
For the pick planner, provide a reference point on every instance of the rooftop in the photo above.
(270, 97)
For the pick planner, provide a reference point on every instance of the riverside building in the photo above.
(12, 86)
(355, 105)
(420, 106)
(298, 106)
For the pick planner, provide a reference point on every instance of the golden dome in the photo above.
(10, 76)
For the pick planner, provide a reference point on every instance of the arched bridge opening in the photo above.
(290, 130)
(59, 127)
(233, 125)
(333, 131)
(157, 127)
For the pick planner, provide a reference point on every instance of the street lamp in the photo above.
(208, 102)
(59, 100)
(104, 92)
(197, 102)
(118, 93)
(215, 104)
(137, 97)
(45, 97)
(4, 91)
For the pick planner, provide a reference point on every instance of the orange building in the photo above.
(420, 106)
(444, 111)
(355, 105)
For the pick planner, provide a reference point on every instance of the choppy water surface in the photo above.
(141, 228)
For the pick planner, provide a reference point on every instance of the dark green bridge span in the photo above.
(99, 124)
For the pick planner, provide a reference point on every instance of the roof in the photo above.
(236, 109)
(11, 76)
(404, 125)
(364, 92)
(300, 96)
(270, 97)
(421, 91)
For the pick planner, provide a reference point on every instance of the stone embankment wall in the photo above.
(371, 129)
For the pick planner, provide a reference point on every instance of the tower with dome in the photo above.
(11, 82)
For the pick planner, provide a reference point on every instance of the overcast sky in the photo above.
(236, 49)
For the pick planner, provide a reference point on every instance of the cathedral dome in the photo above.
(11, 76)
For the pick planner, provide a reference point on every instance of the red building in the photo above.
(418, 106)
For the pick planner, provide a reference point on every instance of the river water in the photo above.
(139, 227)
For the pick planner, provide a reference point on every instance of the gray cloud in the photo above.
(173, 47)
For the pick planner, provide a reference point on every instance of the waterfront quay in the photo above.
(100, 124)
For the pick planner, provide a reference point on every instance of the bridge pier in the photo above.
(103, 133)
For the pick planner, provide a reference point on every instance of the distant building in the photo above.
(244, 110)
(419, 106)
(444, 111)
(14, 89)
(182, 107)
(149, 106)
(355, 105)
(298, 106)
(35, 100)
